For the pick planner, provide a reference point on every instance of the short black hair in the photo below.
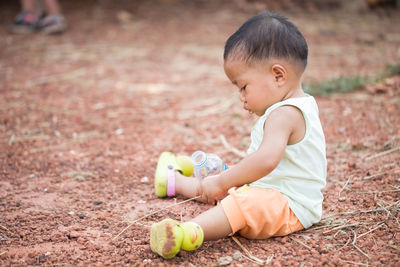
(267, 35)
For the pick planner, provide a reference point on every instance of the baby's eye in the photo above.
(243, 88)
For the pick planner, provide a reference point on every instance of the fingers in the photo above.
(212, 201)
(206, 199)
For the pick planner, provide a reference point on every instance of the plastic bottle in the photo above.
(206, 164)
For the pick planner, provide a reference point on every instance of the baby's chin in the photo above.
(251, 113)
(259, 114)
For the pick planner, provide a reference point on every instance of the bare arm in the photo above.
(281, 126)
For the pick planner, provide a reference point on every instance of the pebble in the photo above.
(341, 199)
(222, 261)
(124, 16)
(144, 180)
(284, 239)
(237, 255)
(119, 131)
(80, 178)
(351, 164)
(74, 234)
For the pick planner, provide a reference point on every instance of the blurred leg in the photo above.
(28, 5)
(54, 22)
(52, 7)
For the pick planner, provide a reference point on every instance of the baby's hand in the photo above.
(211, 189)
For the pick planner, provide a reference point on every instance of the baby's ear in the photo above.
(279, 73)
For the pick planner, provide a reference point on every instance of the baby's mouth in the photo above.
(246, 108)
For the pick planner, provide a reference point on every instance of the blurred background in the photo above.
(130, 40)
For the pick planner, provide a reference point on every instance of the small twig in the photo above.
(340, 231)
(11, 140)
(269, 259)
(360, 211)
(181, 216)
(341, 227)
(369, 177)
(300, 242)
(257, 260)
(15, 139)
(202, 249)
(250, 259)
(383, 153)
(5, 251)
(5, 228)
(377, 192)
(371, 230)
(47, 148)
(322, 227)
(394, 247)
(353, 262)
(348, 180)
(8, 230)
(71, 75)
(152, 213)
(388, 211)
(348, 241)
(143, 225)
(362, 252)
(231, 148)
(354, 244)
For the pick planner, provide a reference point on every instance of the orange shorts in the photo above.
(259, 213)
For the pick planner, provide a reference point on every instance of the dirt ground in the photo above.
(85, 115)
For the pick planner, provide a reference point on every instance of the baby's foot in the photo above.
(168, 163)
(168, 237)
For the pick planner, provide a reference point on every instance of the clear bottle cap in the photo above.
(199, 158)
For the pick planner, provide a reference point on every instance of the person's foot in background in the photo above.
(29, 20)
(52, 24)
(24, 23)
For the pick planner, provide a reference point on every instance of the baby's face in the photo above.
(257, 87)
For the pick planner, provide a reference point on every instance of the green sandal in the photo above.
(168, 163)
(168, 237)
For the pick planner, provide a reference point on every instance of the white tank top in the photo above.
(301, 174)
